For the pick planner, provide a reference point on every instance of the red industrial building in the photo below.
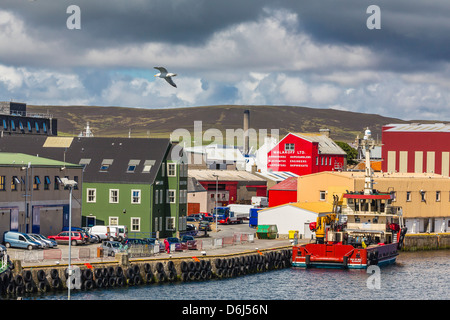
(306, 153)
(283, 192)
(419, 148)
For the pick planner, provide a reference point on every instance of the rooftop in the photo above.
(224, 175)
(417, 127)
(326, 145)
(21, 159)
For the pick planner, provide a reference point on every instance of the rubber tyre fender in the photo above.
(88, 284)
(218, 262)
(184, 266)
(119, 271)
(27, 275)
(41, 275)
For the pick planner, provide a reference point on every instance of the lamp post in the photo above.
(69, 184)
(215, 198)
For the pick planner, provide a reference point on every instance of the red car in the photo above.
(188, 243)
(63, 238)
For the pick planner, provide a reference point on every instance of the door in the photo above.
(36, 220)
(14, 225)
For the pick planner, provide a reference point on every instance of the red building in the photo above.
(416, 148)
(283, 192)
(306, 153)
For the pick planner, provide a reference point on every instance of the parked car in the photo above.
(177, 242)
(63, 238)
(52, 243)
(102, 232)
(151, 241)
(44, 244)
(110, 248)
(189, 242)
(134, 241)
(195, 217)
(204, 225)
(13, 239)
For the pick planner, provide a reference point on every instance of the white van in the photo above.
(119, 233)
(102, 232)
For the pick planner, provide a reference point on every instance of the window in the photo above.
(438, 196)
(46, 182)
(105, 165)
(132, 164)
(148, 164)
(147, 169)
(161, 194)
(408, 196)
(2, 183)
(14, 183)
(171, 170)
(322, 195)
(131, 169)
(156, 196)
(136, 196)
(289, 147)
(136, 224)
(113, 221)
(170, 223)
(113, 196)
(36, 183)
(171, 196)
(91, 195)
(57, 182)
(422, 194)
(183, 196)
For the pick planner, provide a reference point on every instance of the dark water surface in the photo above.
(417, 275)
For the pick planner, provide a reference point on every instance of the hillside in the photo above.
(118, 121)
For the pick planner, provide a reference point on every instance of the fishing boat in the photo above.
(369, 230)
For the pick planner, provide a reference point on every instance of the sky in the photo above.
(318, 54)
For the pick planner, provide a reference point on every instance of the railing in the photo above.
(135, 250)
(4, 263)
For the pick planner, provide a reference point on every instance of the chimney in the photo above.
(325, 132)
(246, 134)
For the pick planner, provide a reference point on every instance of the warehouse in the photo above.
(293, 217)
(424, 198)
(306, 153)
(283, 192)
(416, 148)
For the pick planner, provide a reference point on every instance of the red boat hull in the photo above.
(343, 256)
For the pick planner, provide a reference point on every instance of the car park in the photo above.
(110, 248)
(13, 239)
(64, 237)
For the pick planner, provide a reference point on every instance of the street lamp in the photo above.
(69, 184)
(215, 198)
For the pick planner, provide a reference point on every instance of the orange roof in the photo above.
(375, 165)
(290, 184)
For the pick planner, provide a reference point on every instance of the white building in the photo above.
(293, 217)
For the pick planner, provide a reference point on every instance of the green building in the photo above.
(136, 182)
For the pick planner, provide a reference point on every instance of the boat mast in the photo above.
(367, 144)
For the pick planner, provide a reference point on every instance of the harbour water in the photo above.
(423, 275)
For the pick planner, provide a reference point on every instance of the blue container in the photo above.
(253, 217)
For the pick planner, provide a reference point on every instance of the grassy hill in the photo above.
(156, 123)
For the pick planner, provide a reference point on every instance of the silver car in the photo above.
(110, 248)
(51, 243)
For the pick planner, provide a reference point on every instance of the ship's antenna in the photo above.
(368, 143)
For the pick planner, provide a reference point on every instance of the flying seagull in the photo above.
(166, 75)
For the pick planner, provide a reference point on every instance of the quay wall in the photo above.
(426, 241)
(21, 281)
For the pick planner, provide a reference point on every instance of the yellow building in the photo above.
(424, 197)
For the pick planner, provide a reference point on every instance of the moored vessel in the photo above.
(369, 230)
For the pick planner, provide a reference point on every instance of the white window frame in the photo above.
(170, 221)
(322, 195)
(133, 223)
(113, 221)
(94, 196)
(169, 191)
(111, 195)
(171, 169)
(138, 197)
(289, 147)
